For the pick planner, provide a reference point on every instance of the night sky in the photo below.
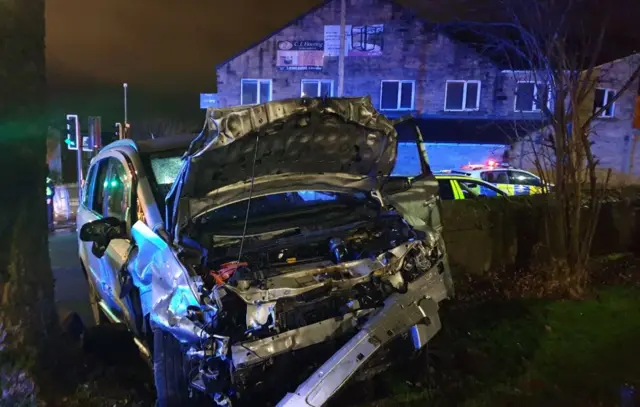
(169, 44)
(168, 49)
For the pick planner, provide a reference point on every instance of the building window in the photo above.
(397, 95)
(530, 96)
(313, 88)
(601, 99)
(255, 91)
(462, 95)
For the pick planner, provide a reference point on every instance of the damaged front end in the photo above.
(354, 270)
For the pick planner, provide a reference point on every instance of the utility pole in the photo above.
(343, 23)
(126, 121)
(79, 159)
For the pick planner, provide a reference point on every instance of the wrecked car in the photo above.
(274, 234)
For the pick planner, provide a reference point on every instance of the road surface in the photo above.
(71, 288)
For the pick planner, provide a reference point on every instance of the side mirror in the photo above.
(101, 232)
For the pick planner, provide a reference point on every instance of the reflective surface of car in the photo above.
(263, 243)
(462, 187)
(511, 180)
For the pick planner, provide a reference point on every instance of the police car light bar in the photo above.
(491, 164)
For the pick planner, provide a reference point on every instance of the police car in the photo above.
(511, 180)
(456, 187)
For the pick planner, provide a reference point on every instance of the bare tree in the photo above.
(551, 46)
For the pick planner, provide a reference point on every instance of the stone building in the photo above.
(468, 105)
(614, 138)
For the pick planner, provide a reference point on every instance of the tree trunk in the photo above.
(28, 318)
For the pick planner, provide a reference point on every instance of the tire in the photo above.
(170, 373)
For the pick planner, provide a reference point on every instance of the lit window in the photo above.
(255, 91)
(601, 99)
(462, 95)
(313, 88)
(397, 95)
(530, 96)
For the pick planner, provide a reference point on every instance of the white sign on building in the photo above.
(362, 40)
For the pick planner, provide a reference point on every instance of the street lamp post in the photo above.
(341, 55)
(125, 86)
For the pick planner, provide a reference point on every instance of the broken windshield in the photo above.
(162, 170)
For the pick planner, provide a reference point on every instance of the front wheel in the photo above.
(171, 373)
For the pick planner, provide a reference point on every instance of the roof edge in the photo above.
(273, 33)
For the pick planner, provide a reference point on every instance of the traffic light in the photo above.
(118, 131)
(72, 131)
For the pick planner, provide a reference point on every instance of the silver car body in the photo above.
(168, 289)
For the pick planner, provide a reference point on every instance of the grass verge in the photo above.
(526, 353)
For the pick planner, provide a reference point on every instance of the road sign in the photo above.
(86, 144)
(208, 100)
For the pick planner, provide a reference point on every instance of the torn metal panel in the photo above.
(156, 270)
(337, 276)
(287, 137)
(419, 306)
(249, 353)
(421, 207)
(296, 136)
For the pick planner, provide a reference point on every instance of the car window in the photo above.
(88, 187)
(479, 189)
(97, 199)
(466, 193)
(495, 177)
(446, 191)
(523, 178)
(117, 189)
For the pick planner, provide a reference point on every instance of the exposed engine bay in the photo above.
(291, 292)
(243, 292)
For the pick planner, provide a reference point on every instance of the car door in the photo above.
(473, 189)
(447, 190)
(525, 183)
(90, 209)
(118, 196)
(499, 178)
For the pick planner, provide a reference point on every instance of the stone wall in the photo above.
(410, 52)
(482, 235)
(613, 137)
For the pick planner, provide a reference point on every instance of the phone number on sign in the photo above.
(300, 68)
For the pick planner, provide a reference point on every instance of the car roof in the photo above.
(161, 144)
(462, 177)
